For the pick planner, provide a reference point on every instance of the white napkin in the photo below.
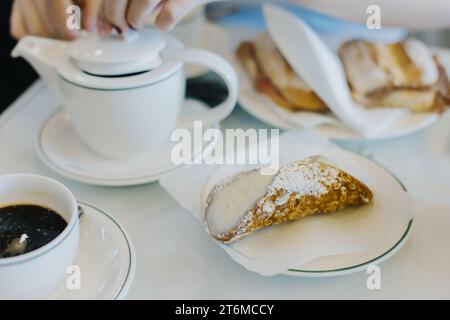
(354, 235)
(321, 69)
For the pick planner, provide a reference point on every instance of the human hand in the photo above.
(47, 18)
(133, 14)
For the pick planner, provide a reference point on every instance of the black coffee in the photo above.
(24, 228)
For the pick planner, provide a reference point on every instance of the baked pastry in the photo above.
(273, 76)
(249, 201)
(398, 75)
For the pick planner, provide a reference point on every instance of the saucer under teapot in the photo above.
(62, 150)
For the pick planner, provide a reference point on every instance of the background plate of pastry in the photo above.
(363, 221)
(405, 75)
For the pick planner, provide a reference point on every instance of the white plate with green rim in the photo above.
(334, 244)
(106, 260)
(321, 267)
(318, 269)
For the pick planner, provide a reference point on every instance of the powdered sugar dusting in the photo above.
(305, 177)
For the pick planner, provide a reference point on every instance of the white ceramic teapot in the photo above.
(124, 93)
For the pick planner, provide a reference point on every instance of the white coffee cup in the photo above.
(36, 274)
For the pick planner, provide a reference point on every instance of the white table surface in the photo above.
(177, 260)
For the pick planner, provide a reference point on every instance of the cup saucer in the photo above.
(60, 148)
(106, 259)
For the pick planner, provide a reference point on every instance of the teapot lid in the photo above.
(118, 54)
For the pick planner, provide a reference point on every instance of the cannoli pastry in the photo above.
(249, 201)
(398, 75)
(273, 76)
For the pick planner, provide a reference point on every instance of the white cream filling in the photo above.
(232, 200)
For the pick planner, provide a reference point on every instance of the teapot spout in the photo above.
(43, 54)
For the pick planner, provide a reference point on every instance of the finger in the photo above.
(91, 9)
(173, 10)
(139, 11)
(104, 27)
(57, 10)
(17, 27)
(42, 7)
(115, 12)
(32, 21)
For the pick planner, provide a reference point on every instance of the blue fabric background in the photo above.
(250, 16)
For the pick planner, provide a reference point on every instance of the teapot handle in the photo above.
(223, 68)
